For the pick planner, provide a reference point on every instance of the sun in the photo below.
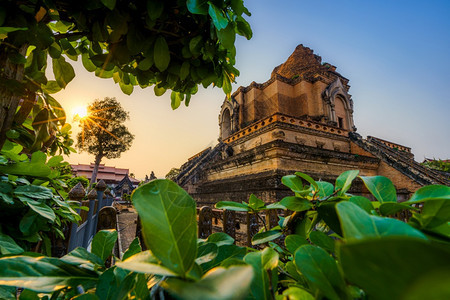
(80, 112)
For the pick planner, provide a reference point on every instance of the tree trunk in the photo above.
(9, 99)
(98, 159)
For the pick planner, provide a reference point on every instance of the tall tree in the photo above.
(103, 133)
(168, 44)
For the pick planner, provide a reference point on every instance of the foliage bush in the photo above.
(32, 205)
(333, 246)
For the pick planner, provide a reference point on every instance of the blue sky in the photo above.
(395, 54)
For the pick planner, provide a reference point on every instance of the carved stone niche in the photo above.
(336, 147)
(205, 222)
(300, 140)
(279, 134)
(320, 144)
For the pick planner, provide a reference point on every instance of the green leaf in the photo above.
(294, 241)
(266, 236)
(358, 224)
(35, 167)
(381, 188)
(42, 274)
(184, 71)
(430, 192)
(296, 203)
(169, 223)
(43, 210)
(227, 37)
(231, 205)
(434, 214)
(390, 208)
(199, 7)
(262, 262)
(134, 248)
(276, 205)
(362, 202)
(206, 253)
(34, 191)
(325, 189)
(389, 268)
(109, 3)
(219, 283)
(225, 252)
(321, 272)
(243, 28)
(217, 16)
(296, 293)
(293, 182)
(255, 203)
(103, 243)
(176, 99)
(159, 91)
(145, 262)
(155, 8)
(107, 285)
(87, 62)
(51, 87)
(63, 71)
(308, 179)
(8, 245)
(344, 181)
(322, 240)
(80, 256)
(161, 54)
(220, 239)
(127, 89)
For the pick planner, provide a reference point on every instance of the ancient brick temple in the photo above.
(301, 119)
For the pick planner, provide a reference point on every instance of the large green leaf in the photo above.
(255, 203)
(169, 223)
(107, 285)
(206, 253)
(161, 54)
(263, 262)
(220, 238)
(43, 209)
(103, 243)
(266, 236)
(357, 224)
(293, 182)
(219, 283)
(145, 262)
(217, 16)
(296, 203)
(296, 293)
(322, 240)
(42, 274)
(321, 271)
(430, 192)
(80, 256)
(63, 71)
(389, 268)
(294, 241)
(325, 189)
(362, 202)
(198, 6)
(34, 191)
(381, 188)
(8, 245)
(434, 214)
(225, 252)
(134, 248)
(34, 167)
(390, 208)
(344, 181)
(231, 205)
(309, 179)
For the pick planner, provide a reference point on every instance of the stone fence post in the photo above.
(92, 197)
(205, 222)
(252, 227)
(77, 193)
(229, 223)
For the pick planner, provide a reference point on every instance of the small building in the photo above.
(111, 175)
